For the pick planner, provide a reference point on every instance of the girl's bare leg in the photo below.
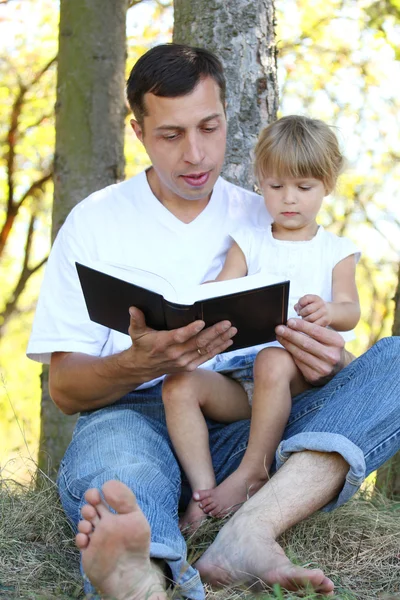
(187, 398)
(276, 380)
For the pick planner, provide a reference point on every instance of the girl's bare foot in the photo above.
(229, 495)
(192, 519)
(115, 547)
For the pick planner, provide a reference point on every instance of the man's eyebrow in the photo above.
(179, 128)
(211, 117)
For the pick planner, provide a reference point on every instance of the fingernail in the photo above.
(196, 496)
(291, 323)
(131, 312)
(279, 330)
(200, 504)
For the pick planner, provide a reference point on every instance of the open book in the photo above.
(253, 304)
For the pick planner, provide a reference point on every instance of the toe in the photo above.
(92, 496)
(209, 506)
(326, 586)
(90, 513)
(119, 497)
(82, 541)
(85, 527)
(200, 495)
(215, 512)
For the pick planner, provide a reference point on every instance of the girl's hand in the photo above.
(314, 310)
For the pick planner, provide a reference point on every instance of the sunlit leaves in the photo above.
(335, 65)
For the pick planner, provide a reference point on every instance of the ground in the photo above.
(358, 546)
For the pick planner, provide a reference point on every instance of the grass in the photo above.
(357, 545)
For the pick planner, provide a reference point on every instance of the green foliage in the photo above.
(384, 17)
(27, 98)
(335, 65)
(29, 42)
(337, 61)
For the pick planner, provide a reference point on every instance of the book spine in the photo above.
(178, 315)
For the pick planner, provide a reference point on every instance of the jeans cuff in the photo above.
(328, 442)
(186, 579)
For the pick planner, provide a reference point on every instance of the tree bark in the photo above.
(241, 33)
(90, 111)
(388, 477)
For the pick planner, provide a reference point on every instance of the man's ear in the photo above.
(137, 129)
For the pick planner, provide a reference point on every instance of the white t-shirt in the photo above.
(126, 224)
(308, 265)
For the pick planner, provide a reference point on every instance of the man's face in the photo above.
(185, 139)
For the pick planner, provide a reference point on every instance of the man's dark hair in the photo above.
(171, 70)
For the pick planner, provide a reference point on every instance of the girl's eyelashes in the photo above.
(301, 187)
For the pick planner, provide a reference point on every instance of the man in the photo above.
(174, 220)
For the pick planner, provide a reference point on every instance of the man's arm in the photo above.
(81, 382)
(318, 352)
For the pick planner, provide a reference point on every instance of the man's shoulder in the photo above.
(244, 204)
(102, 199)
(238, 192)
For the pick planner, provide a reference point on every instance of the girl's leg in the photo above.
(188, 397)
(276, 379)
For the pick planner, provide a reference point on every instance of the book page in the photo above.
(222, 288)
(146, 279)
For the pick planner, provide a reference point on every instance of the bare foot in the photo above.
(192, 519)
(240, 555)
(229, 495)
(115, 547)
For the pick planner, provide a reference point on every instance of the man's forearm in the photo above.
(81, 382)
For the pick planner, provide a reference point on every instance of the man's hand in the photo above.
(318, 352)
(314, 310)
(154, 353)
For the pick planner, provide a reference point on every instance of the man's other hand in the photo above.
(318, 352)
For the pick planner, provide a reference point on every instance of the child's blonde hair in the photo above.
(297, 147)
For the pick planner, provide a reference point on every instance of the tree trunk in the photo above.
(388, 477)
(242, 35)
(90, 112)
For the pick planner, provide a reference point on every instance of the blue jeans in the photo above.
(356, 415)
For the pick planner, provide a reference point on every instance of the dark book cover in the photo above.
(255, 312)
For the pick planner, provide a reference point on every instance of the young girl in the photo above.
(297, 162)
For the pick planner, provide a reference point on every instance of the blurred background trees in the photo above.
(337, 60)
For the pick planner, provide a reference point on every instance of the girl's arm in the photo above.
(345, 306)
(343, 312)
(235, 264)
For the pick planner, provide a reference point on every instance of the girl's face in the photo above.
(293, 203)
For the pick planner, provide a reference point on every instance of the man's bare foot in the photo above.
(192, 519)
(229, 495)
(115, 547)
(241, 555)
